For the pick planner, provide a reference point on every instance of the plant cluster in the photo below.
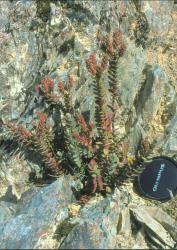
(89, 150)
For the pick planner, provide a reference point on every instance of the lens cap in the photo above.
(158, 181)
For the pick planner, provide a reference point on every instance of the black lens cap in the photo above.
(158, 181)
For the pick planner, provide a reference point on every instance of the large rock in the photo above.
(39, 38)
(129, 74)
(53, 37)
(154, 229)
(35, 222)
(158, 14)
(20, 55)
(97, 226)
(15, 173)
(7, 210)
(151, 94)
(164, 219)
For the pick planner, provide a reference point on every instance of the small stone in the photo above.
(124, 224)
(74, 209)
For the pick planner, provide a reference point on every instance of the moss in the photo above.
(142, 27)
(169, 112)
(137, 4)
(64, 229)
(67, 46)
(43, 9)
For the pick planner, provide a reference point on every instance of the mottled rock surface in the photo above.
(7, 211)
(164, 219)
(159, 17)
(48, 217)
(39, 38)
(36, 217)
(152, 226)
(96, 228)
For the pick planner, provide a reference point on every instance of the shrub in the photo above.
(90, 150)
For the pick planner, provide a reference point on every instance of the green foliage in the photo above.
(43, 9)
(64, 229)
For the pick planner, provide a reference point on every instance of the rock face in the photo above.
(96, 228)
(164, 219)
(48, 217)
(153, 227)
(56, 37)
(34, 223)
(152, 93)
(39, 38)
(158, 14)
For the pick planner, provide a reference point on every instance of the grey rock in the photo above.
(152, 227)
(164, 219)
(97, 226)
(32, 45)
(7, 210)
(124, 223)
(135, 134)
(38, 217)
(85, 236)
(15, 172)
(19, 54)
(158, 14)
(130, 74)
(151, 95)
(170, 137)
(170, 98)
(140, 242)
(154, 242)
(4, 11)
(26, 198)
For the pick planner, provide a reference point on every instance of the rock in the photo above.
(158, 14)
(151, 95)
(7, 210)
(4, 11)
(152, 227)
(140, 240)
(15, 173)
(20, 56)
(36, 221)
(130, 74)
(124, 223)
(124, 230)
(96, 226)
(26, 42)
(56, 37)
(164, 219)
(170, 137)
(154, 242)
(135, 134)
